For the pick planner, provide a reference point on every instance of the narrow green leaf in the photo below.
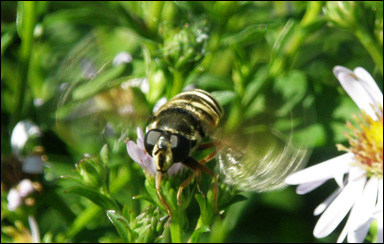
(202, 203)
(6, 40)
(104, 154)
(224, 97)
(121, 224)
(99, 199)
(195, 237)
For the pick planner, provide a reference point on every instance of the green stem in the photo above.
(178, 82)
(371, 46)
(27, 10)
(286, 59)
(154, 15)
(311, 15)
(176, 228)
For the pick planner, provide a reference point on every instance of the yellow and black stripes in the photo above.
(194, 110)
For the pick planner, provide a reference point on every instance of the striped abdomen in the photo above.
(193, 114)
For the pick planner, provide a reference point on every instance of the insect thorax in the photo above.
(193, 114)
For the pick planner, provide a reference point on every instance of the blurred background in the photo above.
(88, 73)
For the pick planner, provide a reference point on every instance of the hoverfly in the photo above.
(255, 156)
(177, 130)
(179, 126)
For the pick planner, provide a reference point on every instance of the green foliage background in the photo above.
(234, 49)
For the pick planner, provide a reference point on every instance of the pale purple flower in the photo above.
(360, 193)
(138, 154)
(17, 194)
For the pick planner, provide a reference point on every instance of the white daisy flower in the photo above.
(358, 173)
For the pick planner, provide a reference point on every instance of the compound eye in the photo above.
(151, 139)
(180, 147)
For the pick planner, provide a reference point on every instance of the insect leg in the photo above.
(159, 177)
(183, 185)
(208, 158)
(204, 161)
(194, 165)
(198, 172)
(206, 145)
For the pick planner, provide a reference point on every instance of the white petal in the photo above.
(159, 103)
(339, 178)
(33, 165)
(175, 168)
(20, 134)
(121, 58)
(355, 90)
(322, 171)
(356, 173)
(339, 208)
(14, 199)
(380, 229)
(307, 187)
(34, 229)
(319, 209)
(358, 236)
(25, 187)
(379, 205)
(140, 133)
(366, 203)
(140, 144)
(144, 87)
(359, 221)
(380, 216)
(341, 69)
(370, 85)
(149, 165)
(135, 152)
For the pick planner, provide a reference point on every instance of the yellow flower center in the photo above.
(366, 143)
(375, 132)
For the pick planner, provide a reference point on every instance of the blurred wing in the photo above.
(99, 96)
(266, 136)
(260, 164)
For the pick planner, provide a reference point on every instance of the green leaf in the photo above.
(224, 97)
(254, 86)
(293, 88)
(6, 40)
(195, 237)
(89, 173)
(72, 178)
(99, 199)
(214, 82)
(202, 201)
(121, 224)
(104, 154)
